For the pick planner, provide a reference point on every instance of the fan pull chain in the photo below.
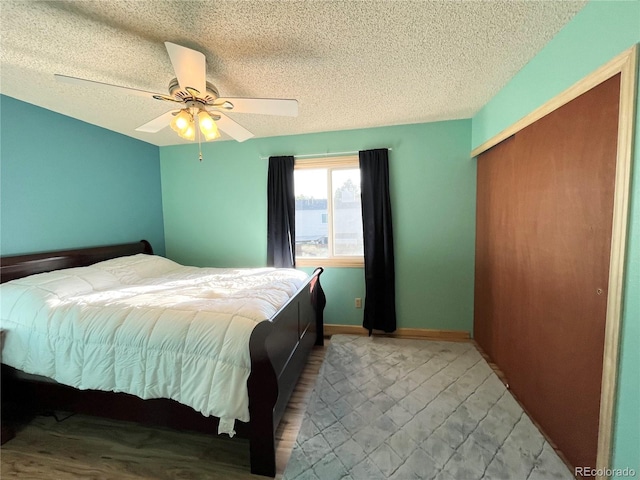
(199, 142)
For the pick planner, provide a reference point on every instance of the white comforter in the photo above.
(147, 326)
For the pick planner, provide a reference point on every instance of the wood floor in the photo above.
(82, 447)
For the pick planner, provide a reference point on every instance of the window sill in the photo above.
(351, 262)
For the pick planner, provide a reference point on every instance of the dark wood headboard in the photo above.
(19, 266)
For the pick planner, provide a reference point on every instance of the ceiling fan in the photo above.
(197, 101)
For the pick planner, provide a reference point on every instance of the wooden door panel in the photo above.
(543, 241)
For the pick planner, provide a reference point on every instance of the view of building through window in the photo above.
(328, 212)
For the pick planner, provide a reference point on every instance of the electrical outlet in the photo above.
(358, 303)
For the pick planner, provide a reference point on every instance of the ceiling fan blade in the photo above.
(264, 106)
(190, 67)
(231, 128)
(156, 124)
(106, 86)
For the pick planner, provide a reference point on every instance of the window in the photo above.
(328, 212)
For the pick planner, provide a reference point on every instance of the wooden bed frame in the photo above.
(278, 349)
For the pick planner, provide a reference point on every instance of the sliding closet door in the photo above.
(544, 220)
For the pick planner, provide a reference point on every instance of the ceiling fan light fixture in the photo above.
(181, 121)
(188, 133)
(207, 126)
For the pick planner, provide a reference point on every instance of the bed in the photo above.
(254, 352)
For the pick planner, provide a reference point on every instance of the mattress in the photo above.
(146, 326)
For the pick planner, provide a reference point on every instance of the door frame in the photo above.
(624, 64)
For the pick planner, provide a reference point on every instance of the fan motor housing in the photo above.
(209, 96)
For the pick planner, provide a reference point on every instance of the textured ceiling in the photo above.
(350, 64)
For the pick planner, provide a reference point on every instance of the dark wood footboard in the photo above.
(279, 349)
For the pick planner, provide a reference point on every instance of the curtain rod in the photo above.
(320, 155)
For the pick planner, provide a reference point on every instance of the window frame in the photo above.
(330, 163)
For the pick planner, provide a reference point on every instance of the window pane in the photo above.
(312, 228)
(347, 213)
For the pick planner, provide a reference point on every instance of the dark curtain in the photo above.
(379, 270)
(281, 207)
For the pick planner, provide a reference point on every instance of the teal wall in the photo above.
(599, 32)
(215, 213)
(68, 184)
